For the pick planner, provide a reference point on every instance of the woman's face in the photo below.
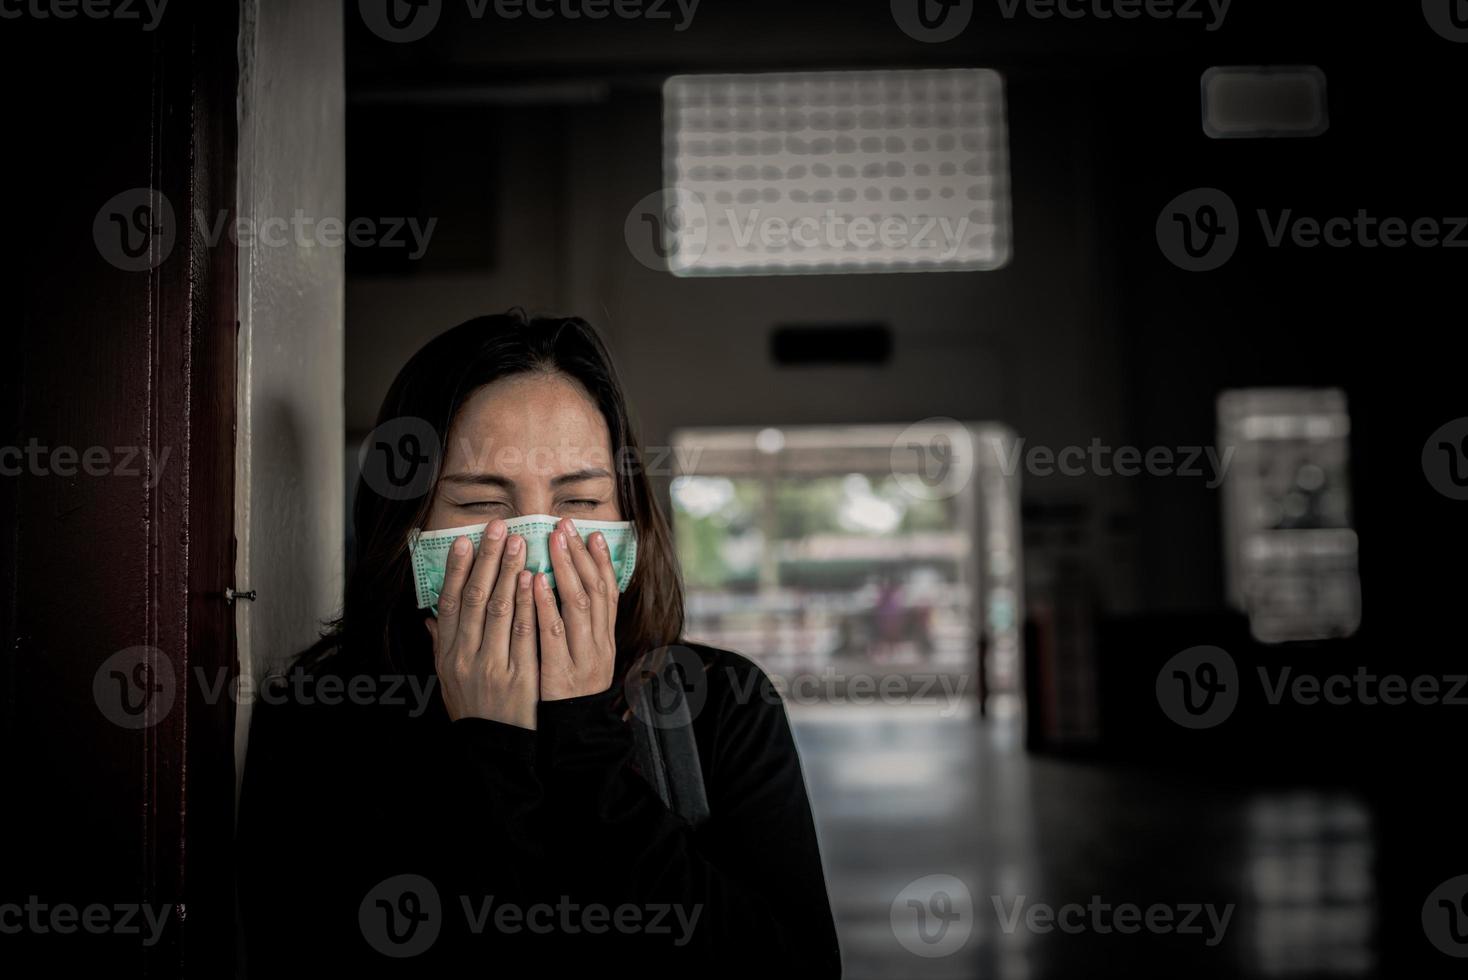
(527, 444)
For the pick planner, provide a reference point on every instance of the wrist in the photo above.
(493, 735)
(583, 718)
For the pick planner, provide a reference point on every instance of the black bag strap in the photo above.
(662, 726)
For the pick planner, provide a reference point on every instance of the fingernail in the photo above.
(461, 546)
(523, 580)
(496, 529)
(599, 540)
(543, 580)
(561, 540)
(515, 543)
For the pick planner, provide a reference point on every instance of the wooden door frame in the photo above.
(167, 537)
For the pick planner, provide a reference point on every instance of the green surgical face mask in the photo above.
(430, 550)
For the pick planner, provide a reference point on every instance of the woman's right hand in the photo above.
(484, 641)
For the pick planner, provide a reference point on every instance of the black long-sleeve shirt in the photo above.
(380, 838)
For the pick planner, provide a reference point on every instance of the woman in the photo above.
(428, 794)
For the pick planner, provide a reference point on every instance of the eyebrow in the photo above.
(495, 480)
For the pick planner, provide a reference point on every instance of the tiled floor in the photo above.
(904, 793)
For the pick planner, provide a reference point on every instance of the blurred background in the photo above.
(866, 448)
(1098, 517)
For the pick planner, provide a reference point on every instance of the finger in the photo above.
(603, 554)
(523, 649)
(555, 655)
(455, 573)
(576, 604)
(480, 585)
(591, 580)
(499, 614)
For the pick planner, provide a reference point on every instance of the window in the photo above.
(812, 172)
(1254, 102)
(1290, 546)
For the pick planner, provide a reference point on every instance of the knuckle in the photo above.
(475, 595)
(500, 607)
(556, 627)
(448, 605)
(601, 587)
(581, 600)
(523, 627)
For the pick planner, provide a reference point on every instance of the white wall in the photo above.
(289, 469)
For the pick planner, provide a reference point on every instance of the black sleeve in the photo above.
(751, 873)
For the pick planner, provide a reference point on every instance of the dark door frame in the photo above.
(139, 363)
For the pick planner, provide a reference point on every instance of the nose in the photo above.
(534, 500)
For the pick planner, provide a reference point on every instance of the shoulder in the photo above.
(728, 689)
(745, 744)
(327, 694)
(728, 672)
(725, 659)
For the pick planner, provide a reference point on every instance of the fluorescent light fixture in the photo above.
(1259, 101)
(836, 172)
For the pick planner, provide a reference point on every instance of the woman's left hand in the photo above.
(577, 640)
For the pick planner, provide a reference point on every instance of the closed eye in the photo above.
(482, 505)
(582, 503)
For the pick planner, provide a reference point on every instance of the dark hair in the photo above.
(380, 627)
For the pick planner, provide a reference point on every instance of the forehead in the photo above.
(545, 423)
